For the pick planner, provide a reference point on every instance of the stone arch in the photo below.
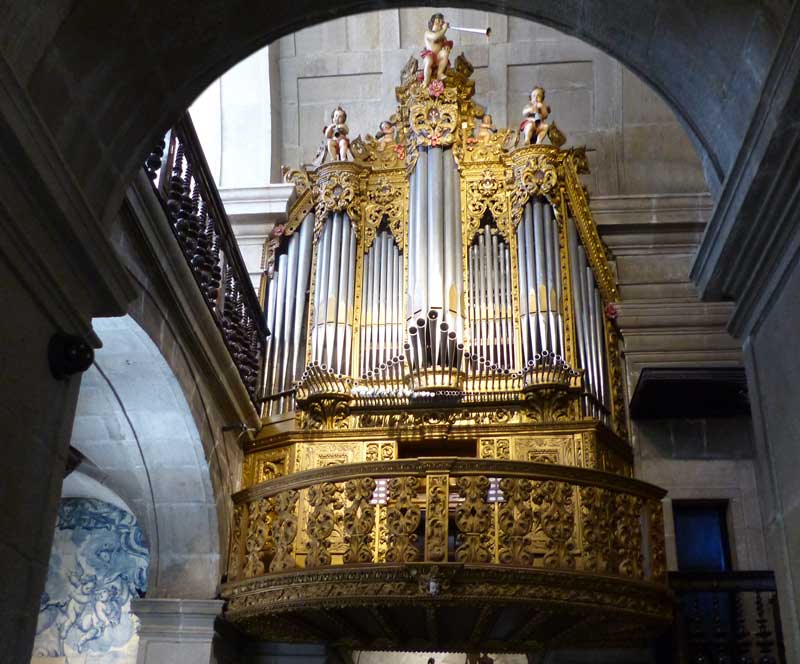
(106, 94)
(135, 427)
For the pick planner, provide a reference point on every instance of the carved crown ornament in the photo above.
(387, 198)
(338, 188)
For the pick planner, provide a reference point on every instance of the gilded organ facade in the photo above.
(445, 431)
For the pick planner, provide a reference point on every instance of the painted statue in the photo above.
(385, 134)
(335, 143)
(486, 129)
(436, 54)
(533, 128)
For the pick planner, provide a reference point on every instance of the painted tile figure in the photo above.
(98, 563)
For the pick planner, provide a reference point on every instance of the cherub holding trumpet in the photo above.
(436, 54)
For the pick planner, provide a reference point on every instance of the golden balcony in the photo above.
(431, 553)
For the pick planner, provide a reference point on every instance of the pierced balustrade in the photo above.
(486, 512)
(195, 211)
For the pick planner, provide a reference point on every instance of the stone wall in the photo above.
(356, 62)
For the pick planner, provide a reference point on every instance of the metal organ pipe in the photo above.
(279, 318)
(341, 317)
(541, 275)
(434, 263)
(420, 296)
(551, 252)
(351, 294)
(530, 295)
(523, 285)
(289, 300)
(303, 272)
(332, 294)
(321, 293)
(577, 298)
(271, 307)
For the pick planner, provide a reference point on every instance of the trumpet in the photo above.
(478, 31)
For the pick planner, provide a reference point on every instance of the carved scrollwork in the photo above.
(327, 413)
(596, 528)
(516, 522)
(550, 404)
(434, 120)
(534, 173)
(337, 189)
(556, 516)
(323, 500)
(387, 199)
(234, 560)
(258, 545)
(359, 520)
(658, 551)
(284, 531)
(402, 520)
(436, 518)
(486, 193)
(628, 534)
(473, 519)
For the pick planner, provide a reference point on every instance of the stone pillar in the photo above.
(175, 631)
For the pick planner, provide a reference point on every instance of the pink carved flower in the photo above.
(436, 88)
(400, 150)
(612, 311)
(278, 230)
(420, 77)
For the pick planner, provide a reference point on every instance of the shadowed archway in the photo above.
(107, 78)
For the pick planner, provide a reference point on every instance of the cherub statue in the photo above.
(385, 134)
(533, 129)
(486, 129)
(436, 54)
(336, 144)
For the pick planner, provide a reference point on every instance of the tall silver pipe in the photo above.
(378, 273)
(435, 231)
(593, 331)
(321, 294)
(391, 351)
(351, 295)
(383, 300)
(541, 274)
(485, 243)
(398, 303)
(530, 270)
(498, 302)
(279, 320)
(577, 299)
(271, 344)
(380, 298)
(451, 226)
(558, 306)
(587, 324)
(420, 298)
(366, 276)
(371, 291)
(342, 314)
(550, 295)
(605, 395)
(332, 296)
(505, 290)
(303, 274)
(290, 302)
(523, 288)
(473, 311)
(411, 245)
(458, 275)
(480, 345)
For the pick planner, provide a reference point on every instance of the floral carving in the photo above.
(234, 560)
(596, 528)
(336, 190)
(473, 519)
(485, 194)
(436, 518)
(556, 516)
(516, 522)
(284, 531)
(434, 120)
(258, 545)
(359, 520)
(402, 520)
(658, 553)
(628, 534)
(323, 500)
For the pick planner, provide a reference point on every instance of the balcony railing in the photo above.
(195, 211)
(726, 618)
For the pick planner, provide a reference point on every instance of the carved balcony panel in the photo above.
(550, 547)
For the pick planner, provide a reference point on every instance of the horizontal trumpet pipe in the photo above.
(486, 32)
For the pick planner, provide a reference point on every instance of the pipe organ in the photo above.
(445, 397)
